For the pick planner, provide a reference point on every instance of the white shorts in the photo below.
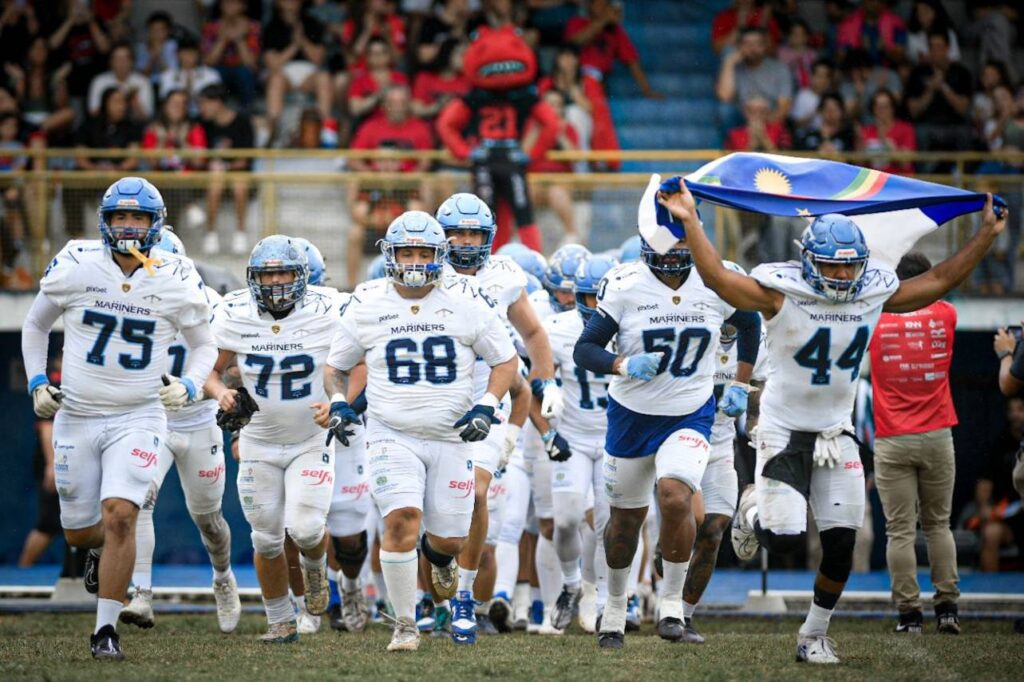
(99, 458)
(517, 503)
(487, 453)
(298, 72)
(435, 477)
(350, 504)
(582, 472)
(541, 485)
(629, 481)
(199, 456)
(497, 498)
(837, 494)
(285, 487)
(719, 485)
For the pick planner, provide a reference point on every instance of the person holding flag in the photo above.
(819, 315)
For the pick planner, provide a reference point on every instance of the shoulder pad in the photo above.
(623, 276)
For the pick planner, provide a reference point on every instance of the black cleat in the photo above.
(611, 640)
(671, 629)
(334, 611)
(484, 626)
(690, 633)
(948, 619)
(91, 575)
(911, 623)
(500, 612)
(106, 644)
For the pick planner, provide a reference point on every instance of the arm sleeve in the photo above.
(35, 338)
(590, 352)
(748, 335)
(202, 353)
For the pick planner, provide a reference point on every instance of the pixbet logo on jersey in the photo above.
(213, 475)
(356, 490)
(468, 486)
(148, 459)
(318, 476)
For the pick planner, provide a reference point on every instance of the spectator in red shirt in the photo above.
(798, 54)
(556, 196)
(915, 465)
(172, 130)
(440, 82)
(374, 208)
(727, 24)
(888, 133)
(760, 134)
(232, 46)
(602, 40)
(74, 34)
(376, 20)
(366, 93)
(877, 29)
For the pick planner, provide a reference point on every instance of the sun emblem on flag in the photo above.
(772, 181)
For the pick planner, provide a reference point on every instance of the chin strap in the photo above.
(146, 261)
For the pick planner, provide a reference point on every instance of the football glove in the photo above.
(46, 401)
(828, 450)
(551, 403)
(176, 393)
(477, 422)
(642, 367)
(508, 447)
(734, 400)
(556, 446)
(242, 413)
(342, 416)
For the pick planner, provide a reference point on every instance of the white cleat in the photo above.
(318, 591)
(306, 623)
(406, 636)
(140, 611)
(744, 540)
(546, 628)
(239, 243)
(816, 649)
(281, 633)
(588, 608)
(229, 606)
(211, 244)
(354, 611)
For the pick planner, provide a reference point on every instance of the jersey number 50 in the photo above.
(679, 367)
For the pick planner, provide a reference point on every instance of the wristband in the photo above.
(37, 381)
(489, 400)
(338, 398)
(548, 436)
(1004, 354)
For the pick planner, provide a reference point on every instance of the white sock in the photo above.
(279, 609)
(549, 572)
(381, 585)
(300, 603)
(466, 579)
(107, 611)
(145, 543)
(634, 570)
(506, 556)
(221, 575)
(348, 584)
(672, 592)
(332, 575)
(589, 570)
(443, 604)
(307, 562)
(400, 570)
(535, 594)
(614, 618)
(601, 569)
(521, 596)
(688, 610)
(571, 575)
(817, 621)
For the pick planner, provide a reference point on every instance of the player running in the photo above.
(819, 315)
(122, 311)
(421, 335)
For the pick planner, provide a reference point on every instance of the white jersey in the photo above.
(541, 302)
(816, 346)
(724, 428)
(117, 328)
(586, 393)
(281, 361)
(420, 353)
(202, 413)
(684, 324)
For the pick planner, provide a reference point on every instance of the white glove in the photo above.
(828, 450)
(551, 405)
(176, 393)
(508, 447)
(46, 401)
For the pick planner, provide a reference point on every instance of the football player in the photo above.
(819, 315)
(195, 445)
(279, 330)
(469, 226)
(661, 407)
(420, 335)
(122, 308)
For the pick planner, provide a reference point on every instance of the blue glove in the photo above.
(537, 388)
(556, 446)
(642, 367)
(479, 154)
(342, 416)
(477, 422)
(734, 400)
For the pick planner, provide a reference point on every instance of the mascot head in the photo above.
(499, 59)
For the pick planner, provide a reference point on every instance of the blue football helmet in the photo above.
(532, 284)
(834, 238)
(512, 249)
(587, 281)
(277, 253)
(314, 261)
(170, 242)
(419, 230)
(375, 270)
(561, 271)
(466, 211)
(138, 196)
(630, 249)
(675, 262)
(531, 261)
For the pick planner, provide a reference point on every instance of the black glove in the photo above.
(239, 417)
(477, 422)
(556, 446)
(342, 416)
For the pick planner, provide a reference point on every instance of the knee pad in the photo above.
(568, 510)
(780, 544)
(213, 527)
(307, 535)
(837, 553)
(351, 557)
(266, 545)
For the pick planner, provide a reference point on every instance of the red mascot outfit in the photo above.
(487, 125)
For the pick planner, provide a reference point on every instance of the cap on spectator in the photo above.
(187, 41)
(215, 91)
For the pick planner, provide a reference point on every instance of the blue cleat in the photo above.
(633, 617)
(425, 615)
(463, 618)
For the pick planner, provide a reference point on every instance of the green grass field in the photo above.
(52, 647)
